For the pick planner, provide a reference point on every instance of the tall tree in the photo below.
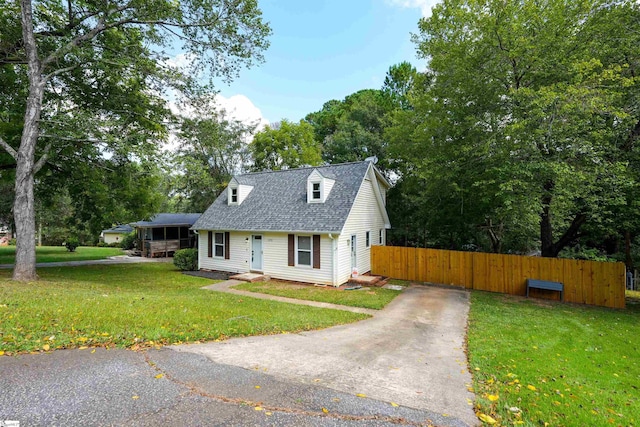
(285, 145)
(398, 84)
(352, 129)
(524, 113)
(212, 148)
(92, 71)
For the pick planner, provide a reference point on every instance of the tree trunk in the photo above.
(546, 229)
(24, 205)
(627, 249)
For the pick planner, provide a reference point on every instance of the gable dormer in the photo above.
(236, 192)
(318, 187)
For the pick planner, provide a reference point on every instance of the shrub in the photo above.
(101, 244)
(129, 241)
(71, 244)
(12, 242)
(186, 259)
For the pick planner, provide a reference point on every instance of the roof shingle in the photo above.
(278, 202)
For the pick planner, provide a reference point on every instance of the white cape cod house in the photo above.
(314, 224)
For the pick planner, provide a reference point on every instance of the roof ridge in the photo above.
(302, 168)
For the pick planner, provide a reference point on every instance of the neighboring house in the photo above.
(313, 224)
(115, 234)
(166, 233)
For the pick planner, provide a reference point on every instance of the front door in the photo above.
(256, 253)
(354, 252)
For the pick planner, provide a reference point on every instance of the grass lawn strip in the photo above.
(375, 298)
(539, 363)
(60, 253)
(132, 305)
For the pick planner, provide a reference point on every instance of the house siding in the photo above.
(112, 237)
(364, 216)
(239, 252)
(275, 257)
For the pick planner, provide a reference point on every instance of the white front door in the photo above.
(354, 252)
(256, 253)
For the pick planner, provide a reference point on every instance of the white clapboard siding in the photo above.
(276, 259)
(239, 253)
(365, 215)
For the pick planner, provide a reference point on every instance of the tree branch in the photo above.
(571, 233)
(9, 149)
(59, 71)
(42, 159)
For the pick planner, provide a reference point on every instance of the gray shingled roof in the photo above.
(169, 219)
(278, 202)
(123, 228)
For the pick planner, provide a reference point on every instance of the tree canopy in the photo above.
(522, 127)
(285, 145)
(93, 75)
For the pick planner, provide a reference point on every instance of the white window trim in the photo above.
(381, 237)
(367, 239)
(215, 245)
(311, 199)
(319, 191)
(232, 195)
(310, 265)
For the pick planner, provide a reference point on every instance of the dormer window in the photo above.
(237, 193)
(315, 192)
(318, 187)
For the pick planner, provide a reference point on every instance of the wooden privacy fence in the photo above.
(585, 282)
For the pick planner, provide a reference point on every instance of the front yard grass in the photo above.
(60, 253)
(132, 305)
(375, 298)
(542, 363)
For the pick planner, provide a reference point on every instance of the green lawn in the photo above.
(375, 298)
(554, 364)
(60, 253)
(132, 305)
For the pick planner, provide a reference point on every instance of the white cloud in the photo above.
(240, 108)
(180, 61)
(236, 107)
(424, 5)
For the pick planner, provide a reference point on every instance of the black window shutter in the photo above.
(226, 245)
(316, 251)
(292, 248)
(210, 244)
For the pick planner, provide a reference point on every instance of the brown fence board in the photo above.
(585, 282)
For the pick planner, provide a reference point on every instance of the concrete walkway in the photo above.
(227, 285)
(411, 353)
(120, 259)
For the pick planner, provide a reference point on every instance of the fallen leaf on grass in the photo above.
(1, 353)
(46, 347)
(486, 419)
(532, 388)
(493, 397)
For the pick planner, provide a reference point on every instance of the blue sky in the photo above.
(322, 50)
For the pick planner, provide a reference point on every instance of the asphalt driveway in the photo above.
(411, 353)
